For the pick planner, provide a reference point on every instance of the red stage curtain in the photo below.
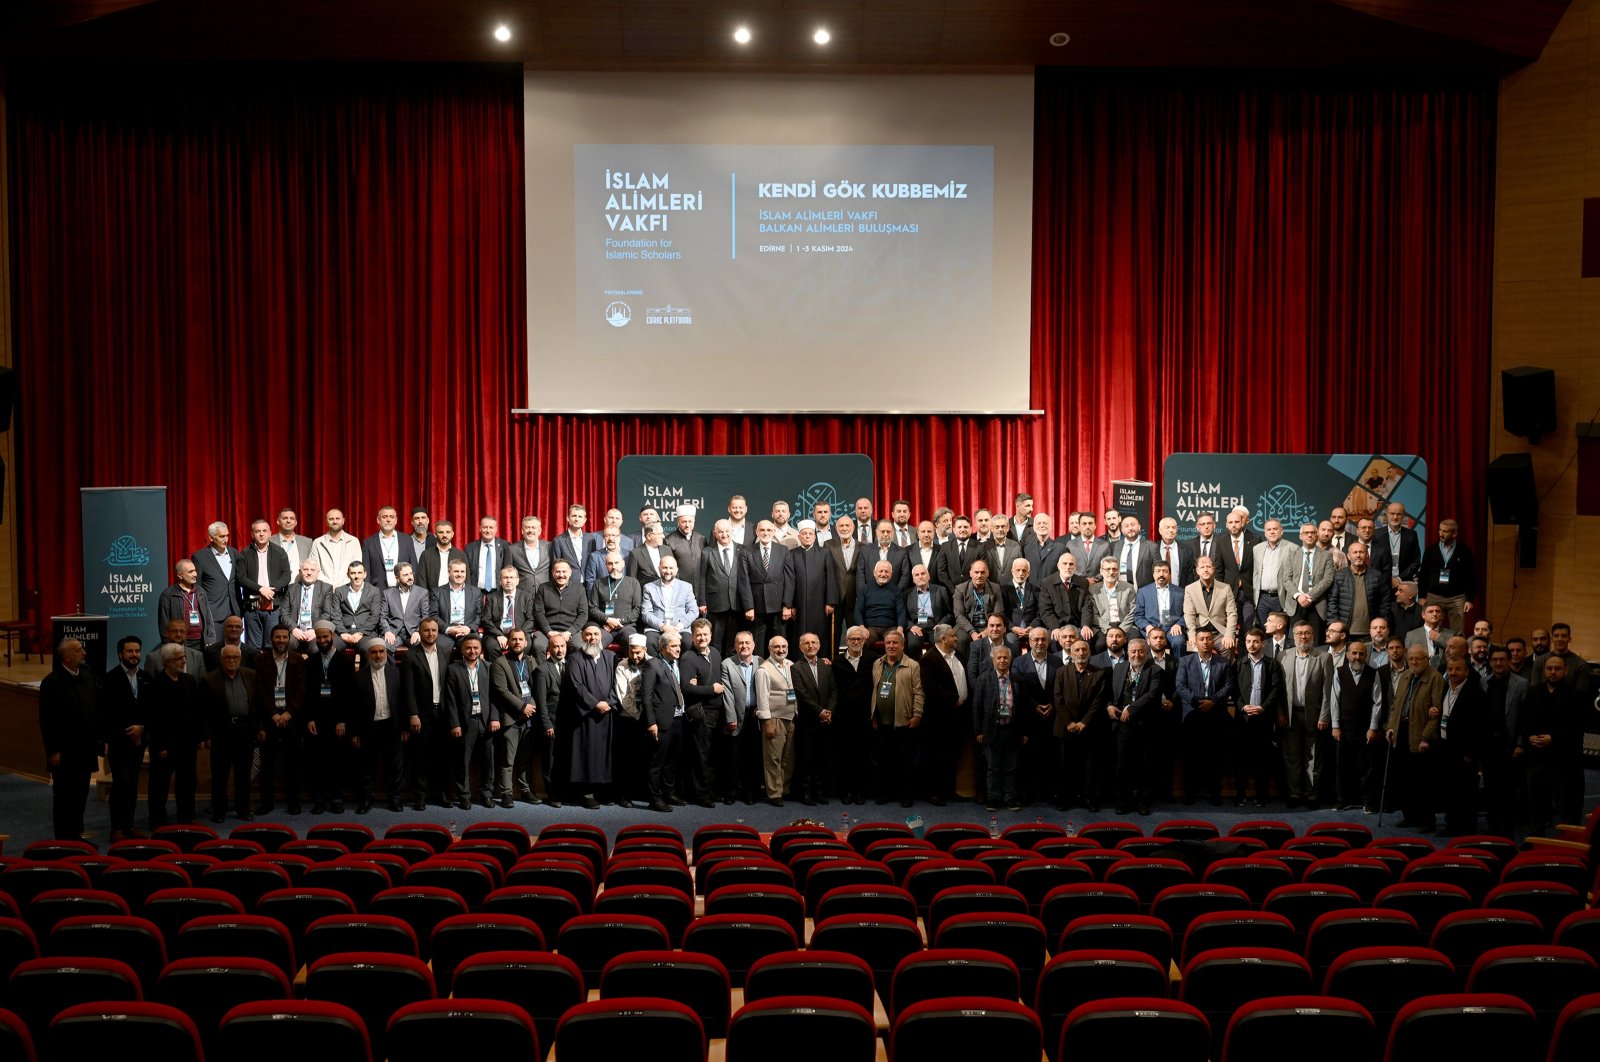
(283, 285)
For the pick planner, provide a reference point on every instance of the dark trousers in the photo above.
(1254, 759)
(523, 748)
(329, 755)
(894, 760)
(429, 763)
(284, 746)
(664, 761)
(258, 627)
(1500, 793)
(174, 771)
(127, 759)
(1078, 761)
(1459, 783)
(724, 625)
(381, 753)
(1411, 779)
(231, 749)
(696, 756)
(1205, 743)
(852, 748)
(1000, 746)
(1352, 763)
(69, 795)
(813, 760)
(1539, 781)
(766, 625)
(1133, 766)
(942, 739)
(474, 752)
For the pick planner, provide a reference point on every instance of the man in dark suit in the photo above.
(644, 563)
(68, 726)
(380, 722)
(1022, 604)
(1258, 681)
(458, 607)
(329, 675)
(815, 596)
(434, 567)
(700, 668)
(1034, 671)
(612, 521)
(1159, 606)
(227, 698)
(925, 550)
(1136, 555)
(232, 634)
(530, 554)
(1064, 598)
(523, 728)
(1134, 695)
(946, 712)
(1042, 549)
(1085, 547)
(615, 601)
(816, 700)
(508, 607)
(1358, 704)
(217, 567)
(263, 575)
(1001, 553)
(1463, 727)
(355, 608)
(468, 689)
(927, 606)
(723, 586)
(280, 706)
(883, 548)
(998, 733)
(954, 564)
(304, 603)
(571, 545)
(853, 713)
(766, 569)
(1397, 552)
(181, 601)
(1205, 692)
(384, 550)
(845, 551)
(664, 708)
(122, 728)
(1079, 696)
(486, 555)
(594, 569)
(1206, 543)
(1308, 683)
(427, 760)
(1238, 569)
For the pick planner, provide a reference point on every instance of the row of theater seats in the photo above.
(860, 897)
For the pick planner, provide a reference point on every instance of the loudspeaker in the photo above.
(1512, 498)
(1528, 401)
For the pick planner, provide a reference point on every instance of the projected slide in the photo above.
(778, 244)
(781, 249)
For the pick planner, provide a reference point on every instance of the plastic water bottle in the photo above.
(1072, 831)
(994, 826)
(455, 833)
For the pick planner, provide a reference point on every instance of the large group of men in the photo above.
(839, 656)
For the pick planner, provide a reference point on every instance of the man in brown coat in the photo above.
(1412, 731)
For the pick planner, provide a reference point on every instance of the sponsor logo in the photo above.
(127, 553)
(618, 314)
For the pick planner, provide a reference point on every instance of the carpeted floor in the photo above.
(26, 815)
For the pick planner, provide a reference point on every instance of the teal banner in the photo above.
(1294, 488)
(125, 559)
(667, 481)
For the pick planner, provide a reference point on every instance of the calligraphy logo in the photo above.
(1282, 503)
(127, 553)
(808, 498)
(618, 314)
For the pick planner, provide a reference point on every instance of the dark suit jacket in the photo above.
(985, 703)
(953, 566)
(419, 685)
(719, 590)
(689, 552)
(662, 697)
(294, 681)
(365, 618)
(1064, 604)
(812, 698)
(1075, 705)
(1035, 684)
(475, 552)
(1192, 685)
(340, 673)
(458, 694)
(532, 574)
(428, 574)
(939, 600)
(278, 574)
(702, 703)
(626, 604)
(169, 606)
(372, 557)
(1274, 695)
(289, 607)
(641, 567)
(561, 549)
(1042, 558)
(1000, 555)
(119, 708)
(939, 692)
(1142, 698)
(845, 575)
(1410, 553)
(771, 588)
(867, 558)
(439, 607)
(508, 699)
(494, 604)
(403, 621)
(365, 702)
(1221, 554)
(219, 594)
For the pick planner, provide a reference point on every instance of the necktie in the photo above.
(1127, 547)
(727, 560)
(1166, 555)
(1238, 550)
(961, 551)
(486, 568)
(766, 558)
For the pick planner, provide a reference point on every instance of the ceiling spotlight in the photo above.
(742, 34)
(1059, 40)
(502, 33)
(822, 36)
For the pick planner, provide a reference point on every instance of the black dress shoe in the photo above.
(591, 803)
(395, 805)
(660, 805)
(264, 809)
(550, 803)
(529, 798)
(623, 802)
(485, 802)
(937, 802)
(294, 809)
(808, 802)
(419, 806)
(707, 804)
(677, 802)
(1144, 809)
(363, 807)
(317, 809)
(905, 803)
(507, 803)
(219, 818)
(337, 807)
(775, 802)
(464, 805)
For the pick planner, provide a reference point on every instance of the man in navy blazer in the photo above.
(379, 730)
(217, 566)
(1205, 692)
(766, 570)
(1135, 695)
(385, 549)
(1159, 605)
(486, 555)
(1396, 551)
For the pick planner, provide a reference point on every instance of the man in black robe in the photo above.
(585, 715)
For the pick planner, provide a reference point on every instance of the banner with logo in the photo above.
(1132, 497)
(125, 558)
(667, 481)
(1294, 488)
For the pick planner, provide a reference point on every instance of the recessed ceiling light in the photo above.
(1060, 40)
(742, 35)
(502, 33)
(822, 36)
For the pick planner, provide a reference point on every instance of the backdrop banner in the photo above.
(1131, 497)
(125, 558)
(1294, 488)
(667, 481)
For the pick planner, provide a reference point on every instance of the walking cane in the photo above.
(1383, 791)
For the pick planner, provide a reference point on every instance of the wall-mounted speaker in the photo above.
(1528, 401)
(1512, 496)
